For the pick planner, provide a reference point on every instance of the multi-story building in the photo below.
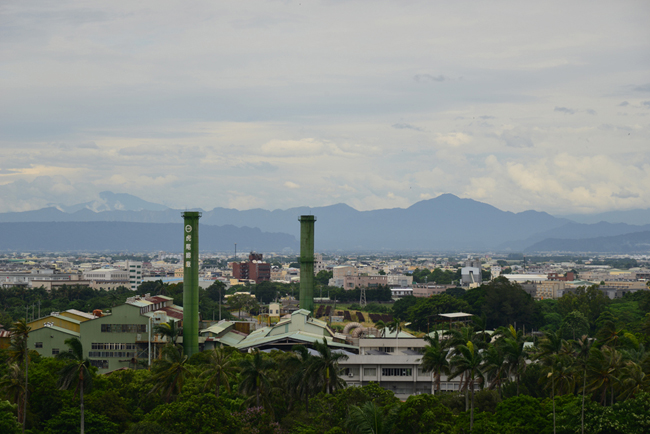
(393, 363)
(135, 274)
(400, 280)
(255, 269)
(429, 289)
(114, 274)
(110, 341)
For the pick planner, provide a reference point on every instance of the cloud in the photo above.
(564, 110)
(302, 147)
(428, 77)
(625, 194)
(591, 112)
(642, 88)
(291, 185)
(646, 103)
(453, 139)
(624, 104)
(89, 145)
(517, 138)
(486, 117)
(404, 126)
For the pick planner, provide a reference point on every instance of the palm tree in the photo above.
(381, 326)
(610, 335)
(435, 359)
(325, 368)
(168, 330)
(494, 367)
(76, 373)
(370, 419)
(255, 376)
(633, 380)
(549, 345)
(560, 370)
(582, 350)
(468, 362)
(13, 387)
(220, 369)
(603, 370)
(170, 372)
(301, 382)
(395, 326)
(515, 355)
(19, 353)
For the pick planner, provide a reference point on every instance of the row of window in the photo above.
(111, 354)
(388, 372)
(124, 328)
(112, 346)
(101, 364)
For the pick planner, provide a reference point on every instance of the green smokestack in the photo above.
(191, 282)
(307, 262)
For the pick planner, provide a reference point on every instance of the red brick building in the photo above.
(255, 269)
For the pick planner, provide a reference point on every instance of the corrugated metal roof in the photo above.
(80, 313)
(60, 329)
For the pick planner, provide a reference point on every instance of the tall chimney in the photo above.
(307, 262)
(191, 282)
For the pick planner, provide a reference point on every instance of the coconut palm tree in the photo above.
(512, 343)
(301, 381)
(603, 370)
(170, 372)
(168, 330)
(468, 363)
(381, 327)
(370, 419)
(633, 380)
(395, 326)
(255, 377)
(12, 386)
(19, 354)
(435, 359)
(582, 349)
(76, 373)
(494, 367)
(220, 368)
(560, 370)
(325, 368)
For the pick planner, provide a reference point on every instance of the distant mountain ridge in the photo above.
(134, 237)
(445, 223)
(636, 242)
(109, 201)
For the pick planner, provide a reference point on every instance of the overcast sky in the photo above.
(376, 104)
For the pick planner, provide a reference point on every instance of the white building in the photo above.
(395, 365)
(107, 274)
(135, 274)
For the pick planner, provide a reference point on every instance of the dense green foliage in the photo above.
(592, 347)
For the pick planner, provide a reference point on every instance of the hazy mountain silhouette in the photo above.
(134, 237)
(637, 242)
(631, 217)
(445, 223)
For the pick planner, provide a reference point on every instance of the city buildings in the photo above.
(255, 269)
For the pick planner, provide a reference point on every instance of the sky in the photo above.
(277, 104)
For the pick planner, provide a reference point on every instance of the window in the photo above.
(55, 351)
(38, 345)
(370, 372)
(396, 372)
(101, 364)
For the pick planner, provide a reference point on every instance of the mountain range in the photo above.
(445, 223)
